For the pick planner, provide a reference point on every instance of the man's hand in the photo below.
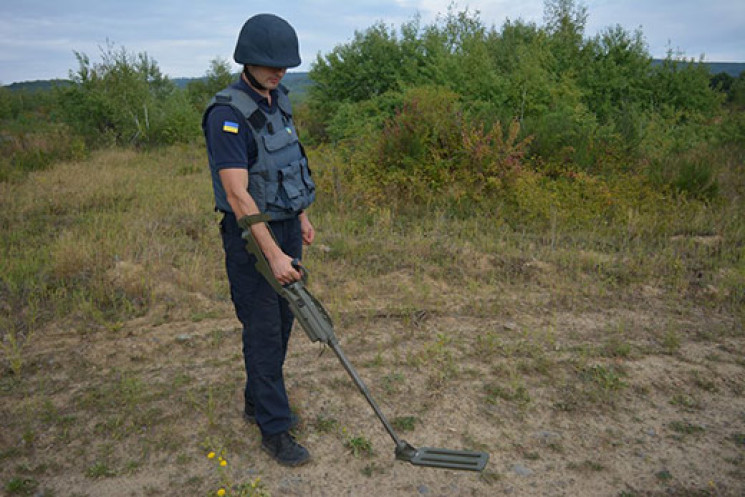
(307, 229)
(283, 270)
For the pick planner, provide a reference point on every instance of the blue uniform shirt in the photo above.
(230, 140)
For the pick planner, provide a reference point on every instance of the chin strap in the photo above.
(252, 80)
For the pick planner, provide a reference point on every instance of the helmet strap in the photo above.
(252, 81)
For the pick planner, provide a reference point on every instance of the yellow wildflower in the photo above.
(211, 455)
(223, 463)
(221, 492)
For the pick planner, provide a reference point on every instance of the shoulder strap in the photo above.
(241, 102)
(284, 101)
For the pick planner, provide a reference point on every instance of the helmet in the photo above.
(267, 40)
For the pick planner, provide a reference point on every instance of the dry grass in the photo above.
(596, 360)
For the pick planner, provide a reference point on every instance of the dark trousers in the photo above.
(267, 322)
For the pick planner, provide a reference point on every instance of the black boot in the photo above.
(285, 450)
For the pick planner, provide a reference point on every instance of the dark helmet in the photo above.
(267, 40)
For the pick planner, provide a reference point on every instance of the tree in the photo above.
(361, 69)
(565, 23)
(680, 86)
(737, 92)
(218, 76)
(616, 75)
(114, 100)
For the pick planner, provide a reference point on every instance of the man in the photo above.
(259, 166)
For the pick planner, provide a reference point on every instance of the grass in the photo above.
(485, 312)
(359, 446)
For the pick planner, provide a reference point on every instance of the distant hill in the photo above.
(38, 85)
(734, 69)
(298, 82)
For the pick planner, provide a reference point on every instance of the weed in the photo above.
(371, 469)
(686, 428)
(16, 340)
(325, 424)
(21, 486)
(9, 453)
(671, 341)
(391, 382)
(592, 465)
(607, 378)
(404, 423)
(702, 382)
(516, 393)
(664, 475)
(208, 405)
(685, 401)
(376, 362)
(227, 487)
(99, 469)
(617, 347)
(359, 446)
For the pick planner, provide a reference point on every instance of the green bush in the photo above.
(176, 121)
(691, 174)
(114, 101)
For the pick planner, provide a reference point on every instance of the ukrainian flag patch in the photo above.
(230, 127)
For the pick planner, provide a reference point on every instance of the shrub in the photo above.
(691, 174)
(113, 101)
(29, 151)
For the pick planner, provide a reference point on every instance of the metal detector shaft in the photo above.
(363, 389)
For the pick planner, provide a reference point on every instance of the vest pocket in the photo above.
(294, 193)
(310, 185)
(279, 140)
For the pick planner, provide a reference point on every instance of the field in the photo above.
(601, 361)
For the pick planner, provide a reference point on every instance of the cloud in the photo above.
(38, 37)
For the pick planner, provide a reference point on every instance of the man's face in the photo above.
(268, 77)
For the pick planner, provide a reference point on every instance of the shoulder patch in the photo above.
(230, 127)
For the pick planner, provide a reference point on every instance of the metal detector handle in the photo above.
(309, 312)
(304, 273)
(262, 265)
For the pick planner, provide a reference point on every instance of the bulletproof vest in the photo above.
(280, 181)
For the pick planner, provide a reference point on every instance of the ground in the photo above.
(629, 396)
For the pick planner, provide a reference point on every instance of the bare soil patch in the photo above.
(573, 400)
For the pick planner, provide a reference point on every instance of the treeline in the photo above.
(458, 107)
(121, 100)
(453, 107)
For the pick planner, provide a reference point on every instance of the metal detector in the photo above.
(318, 326)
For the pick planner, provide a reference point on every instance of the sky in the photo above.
(39, 38)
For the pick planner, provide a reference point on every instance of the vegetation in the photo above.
(517, 227)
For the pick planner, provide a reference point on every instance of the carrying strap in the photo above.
(246, 222)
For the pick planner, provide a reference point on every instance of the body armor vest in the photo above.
(280, 181)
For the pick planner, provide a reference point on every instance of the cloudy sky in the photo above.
(38, 38)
